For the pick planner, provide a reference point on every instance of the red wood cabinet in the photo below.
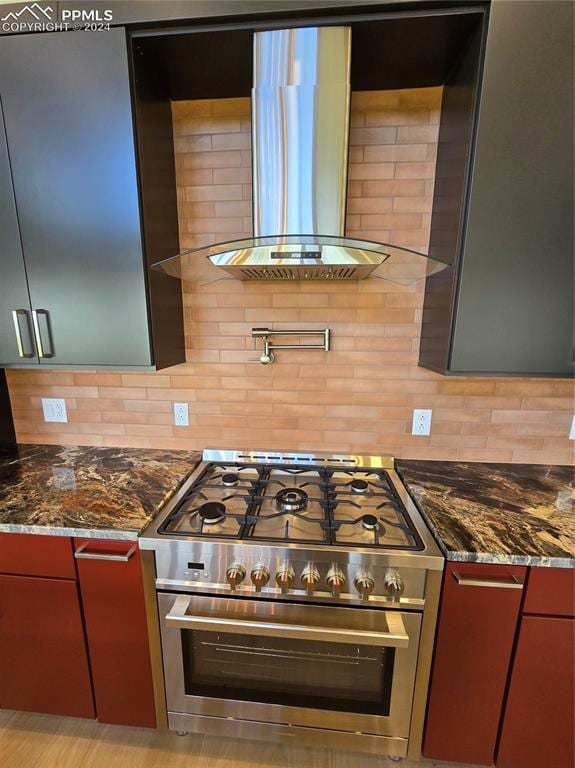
(115, 616)
(30, 555)
(43, 661)
(539, 717)
(550, 592)
(477, 623)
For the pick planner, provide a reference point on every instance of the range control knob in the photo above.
(336, 580)
(310, 578)
(285, 577)
(260, 576)
(393, 584)
(364, 583)
(235, 574)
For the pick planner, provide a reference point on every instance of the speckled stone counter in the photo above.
(95, 492)
(520, 514)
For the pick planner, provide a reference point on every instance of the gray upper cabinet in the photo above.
(503, 208)
(16, 340)
(71, 143)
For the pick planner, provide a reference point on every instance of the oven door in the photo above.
(348, 669)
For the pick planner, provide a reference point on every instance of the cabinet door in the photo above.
(539, 716)
(116, 626)
(477, 624)
(67, 109)
(515, 302)
(43, 661)
(16, 340)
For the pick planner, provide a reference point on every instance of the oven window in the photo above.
(299, 673)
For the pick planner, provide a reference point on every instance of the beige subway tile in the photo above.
(417, 134)
(203, 125)
(548, 403)
(103, 429)
(373, 170)
(225, 176)
(234, 107)
(422, 204)
(526, 416)
(124, 417)
(411, 170)
(194, 143)
(226, 141)
(38, 378)
(214, 192)
(392, 153)
(85, 417)
(368, 205)
(231, 225)
(361, 137)
(123, 441)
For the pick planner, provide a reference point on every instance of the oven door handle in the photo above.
(395, 637)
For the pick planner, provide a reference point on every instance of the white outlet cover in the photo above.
(54, 409)
(572, 430)
(181, 415)
(421, 424)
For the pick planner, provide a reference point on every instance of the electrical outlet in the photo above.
(54, 409)
(181, 416)
(421, 422)
(572, 430)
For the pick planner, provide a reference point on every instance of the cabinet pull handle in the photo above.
(507, 582)
(17, 314)
(119, 557)
(39, 343)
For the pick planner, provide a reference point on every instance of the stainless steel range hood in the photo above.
(300, 128)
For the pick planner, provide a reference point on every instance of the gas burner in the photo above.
(291, 500)
(230, 479)
(359, 486)
(212, 512)
(369, 522)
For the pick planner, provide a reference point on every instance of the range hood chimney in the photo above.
(300, 130)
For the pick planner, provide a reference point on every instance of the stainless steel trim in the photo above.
(301, 87)
(297, 457)
(424, 659)
(38, 333)
(16, 315)
(184, 614)
(233, 727)
(81, 554)
(509, 582)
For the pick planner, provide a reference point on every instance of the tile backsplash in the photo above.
(357, 398)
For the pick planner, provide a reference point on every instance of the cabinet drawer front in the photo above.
(31, 555)
(112, 591)
(477, 622)
(551, 591)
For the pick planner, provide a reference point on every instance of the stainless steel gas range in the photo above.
(297, 599)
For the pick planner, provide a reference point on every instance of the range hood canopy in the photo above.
(300, 127)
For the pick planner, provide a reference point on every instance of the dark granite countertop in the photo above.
(521, 514)
(81, 491)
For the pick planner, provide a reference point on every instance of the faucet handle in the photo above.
(264, 359)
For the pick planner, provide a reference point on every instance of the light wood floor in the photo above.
(42, 741)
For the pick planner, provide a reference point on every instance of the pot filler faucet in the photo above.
(267, 356)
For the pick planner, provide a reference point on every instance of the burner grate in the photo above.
(298, 503)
